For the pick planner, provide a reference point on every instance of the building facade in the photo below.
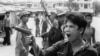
(84, 5)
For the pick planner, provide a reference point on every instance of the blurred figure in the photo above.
(62, 17)
(44, 23)
(31, 24)
(52, 16)
(7, 30)
(21, 46)
(37, 24)
(89, 33)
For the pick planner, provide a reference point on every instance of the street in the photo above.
(10, 50)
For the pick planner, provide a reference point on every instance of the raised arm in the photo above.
(45, 52)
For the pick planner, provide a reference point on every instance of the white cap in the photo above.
(61, 10)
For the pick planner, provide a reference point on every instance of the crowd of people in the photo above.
(67, 34)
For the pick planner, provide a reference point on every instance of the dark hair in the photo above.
(77, 19)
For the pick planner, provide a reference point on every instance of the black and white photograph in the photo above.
(49, 27)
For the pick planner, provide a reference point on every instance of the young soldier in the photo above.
(89, 34)
(73, 44)
(21, 46)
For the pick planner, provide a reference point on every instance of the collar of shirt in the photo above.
(85, 46)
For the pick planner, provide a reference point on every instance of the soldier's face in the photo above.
(88, 19)
(25, 19)
(71, 30)
(52, 17)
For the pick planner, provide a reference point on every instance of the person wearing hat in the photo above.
(21, 46)
(89, 34)
(52, 16)
(72, 45)
(54, 34)
(61, 17)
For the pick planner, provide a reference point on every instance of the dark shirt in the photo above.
(52, 37)
(62, 48)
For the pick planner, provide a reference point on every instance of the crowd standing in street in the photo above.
(69, 34)
(72, 45)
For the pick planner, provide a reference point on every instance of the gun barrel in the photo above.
(25, 31)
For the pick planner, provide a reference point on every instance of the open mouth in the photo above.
(68, 35)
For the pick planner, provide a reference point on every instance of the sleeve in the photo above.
(44, 35)
(46, 52)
